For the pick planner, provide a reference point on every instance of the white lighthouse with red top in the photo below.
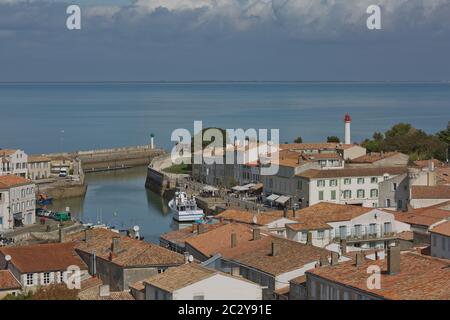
(347, 120)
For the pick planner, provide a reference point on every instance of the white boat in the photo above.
(185, 208)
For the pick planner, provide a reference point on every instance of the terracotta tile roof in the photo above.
(426, 163)
(38, 159)
(373, 157)
(12, 180)
(43, 257)
(442, 228)
(351, 172)
(115, 295)
(430, 192)
(420, 278)
(309, 146)
(180, 277)
(92, 282)
(422, 216)
(180, 236)
(318, 156)
(132, 252)
(308, 224)
(219, 239)
(324, 212)
(7, 152)
(262, 218)
(291, 256)
(406, 235)
(299, 280)
(443, 176)
(139, 286)
(8, 281)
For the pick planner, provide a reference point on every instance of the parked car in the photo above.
(63, 173)
(61, 216)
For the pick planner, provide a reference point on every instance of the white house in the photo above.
(344, 186)
(13, 162)
(425, 196)
(17, 202)
(440, 240)
(194, 282)
(360, 227)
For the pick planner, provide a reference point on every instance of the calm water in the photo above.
(32, 116)
(118, 198)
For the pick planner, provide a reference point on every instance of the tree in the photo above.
(298, 140)
(55, 292)
(333, 139)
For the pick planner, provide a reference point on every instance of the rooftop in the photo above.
(8, 281)
(11, 180)
(180, 236)
(291, 256)
(420, 278)
(374, 157)
(131, 252)
(38, 158)
(442, 229)
(351, 172)
(422, 216)
(262, 218)
(43, 257)
(180, 277)
(430, 192)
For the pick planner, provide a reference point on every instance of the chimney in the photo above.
(293, 212)
(62, 235)
(201, 228)
(359, 258)
(256, 234)
(309, 238)
(115, 246)
(275, 249)
(86, 235)
(233, 240)
(393, 260)
(324, 260)
(377, 255)
(334, 258)
(285, 212)
(103, 290)
(186, 257)
(343, 246)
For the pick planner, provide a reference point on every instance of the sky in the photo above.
(196, 40)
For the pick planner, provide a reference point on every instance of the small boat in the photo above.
(185, 208)
(44, 200)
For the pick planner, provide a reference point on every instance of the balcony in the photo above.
(364, 233)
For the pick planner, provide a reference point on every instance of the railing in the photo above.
(364, 233)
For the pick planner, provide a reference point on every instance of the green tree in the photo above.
(298, 140)
(333, 139)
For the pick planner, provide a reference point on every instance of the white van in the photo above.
(63, 172)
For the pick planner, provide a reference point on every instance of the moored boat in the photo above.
(185, 208)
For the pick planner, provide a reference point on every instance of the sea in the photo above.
(55, 117)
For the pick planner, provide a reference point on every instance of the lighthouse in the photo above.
(347, 120)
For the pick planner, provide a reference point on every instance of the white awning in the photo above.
(272, 197)
(210, 189)
(282, 199)
(240, 188)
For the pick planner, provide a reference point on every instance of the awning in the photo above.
(282, 199)
(240, 188)
(257, 186)
(210, 189)
(272, 197)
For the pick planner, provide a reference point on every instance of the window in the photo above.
(358, 230)
(304, 236)
(299, 184)
(387, 227)
(399, 204)
(347, 181)
(374, 193)
(347, 194)
(333, 183)
(343, 232)
(374, 180)
(388, 203)
(321, 183)
(372, 228)
(360, 180)
(320, 195)
(320, 234)
(61, 277)
(394, 186)
(333, 194)
(30, 279)
(360, 193)
(46, 277)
